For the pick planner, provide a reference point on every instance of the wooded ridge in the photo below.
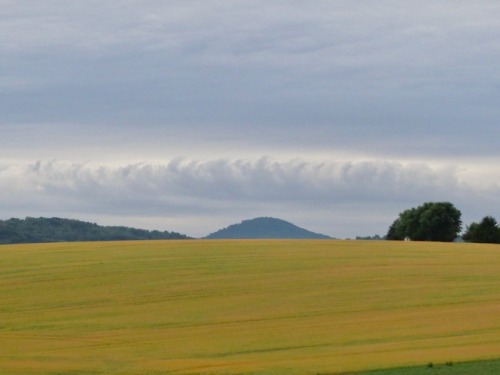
(33, 230)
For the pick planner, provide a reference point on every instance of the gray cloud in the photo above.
(399, 100)
(382, 66)
(231, 188)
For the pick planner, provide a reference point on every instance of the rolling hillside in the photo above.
(280, 307)
(35, 230)
(265, 227)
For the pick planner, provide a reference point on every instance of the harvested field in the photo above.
(245, 307)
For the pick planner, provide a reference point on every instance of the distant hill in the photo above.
(264, 227)
(34, 230)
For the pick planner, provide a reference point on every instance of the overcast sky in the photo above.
(190, 116)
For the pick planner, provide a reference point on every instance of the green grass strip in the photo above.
(489, 367)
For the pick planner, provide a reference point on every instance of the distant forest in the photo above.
(33, 230)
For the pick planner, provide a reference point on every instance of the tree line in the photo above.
(441, 221)
(34, 230)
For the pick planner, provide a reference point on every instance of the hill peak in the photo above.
(264, 227)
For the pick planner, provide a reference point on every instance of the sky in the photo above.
(189, 116)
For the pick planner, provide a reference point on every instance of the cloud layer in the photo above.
(191, 115)
(364, 69)
(228, 188)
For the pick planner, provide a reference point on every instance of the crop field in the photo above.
(245, 307)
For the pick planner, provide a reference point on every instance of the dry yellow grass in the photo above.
(273, 307)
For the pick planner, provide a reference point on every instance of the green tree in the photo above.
(487, 231)
(432, 221)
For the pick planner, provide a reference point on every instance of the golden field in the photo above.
(245, 307)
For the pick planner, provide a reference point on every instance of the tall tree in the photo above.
(432, 221)
(487, 231)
